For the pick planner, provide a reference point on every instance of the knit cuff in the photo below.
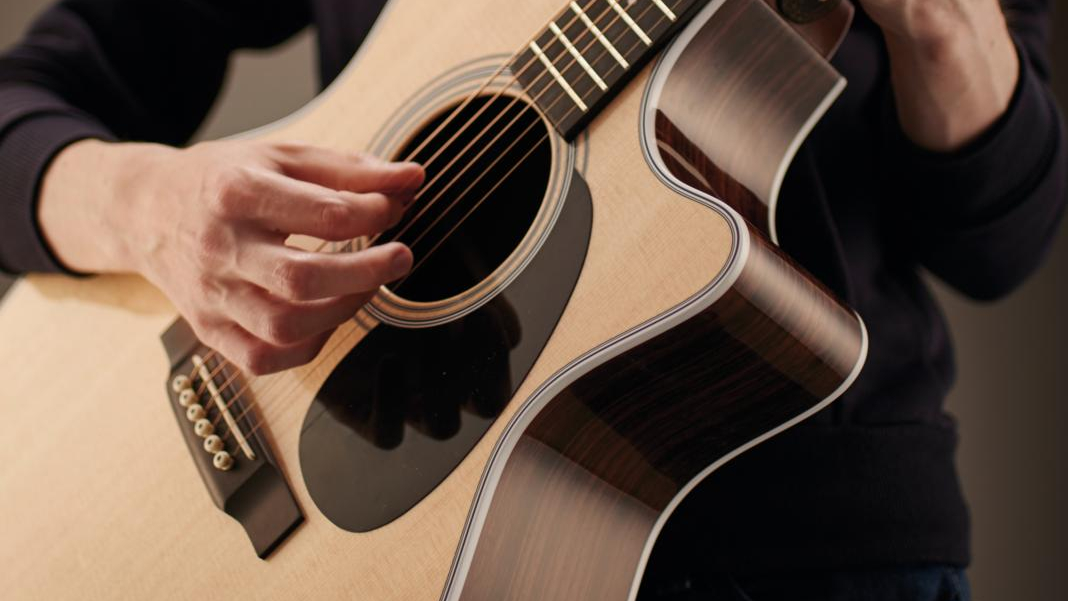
(27, 148)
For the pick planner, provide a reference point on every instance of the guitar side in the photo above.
(597, 460)
(101, 499)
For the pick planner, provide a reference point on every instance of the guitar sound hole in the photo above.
(487, 173)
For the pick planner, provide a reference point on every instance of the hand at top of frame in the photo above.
(953, 64)
(208, 225)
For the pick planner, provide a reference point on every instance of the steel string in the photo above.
(346, 337)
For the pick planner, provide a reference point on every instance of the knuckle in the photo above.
(334, 219)
(201, 323)
(230, 198)
(290, 154)
(294, 278)
(291, 146)
(210, 291)
(380, 214)
(222, 339)
(280, 328)
(210, 244)
(257, 358)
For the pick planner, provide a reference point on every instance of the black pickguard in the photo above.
(405, 407)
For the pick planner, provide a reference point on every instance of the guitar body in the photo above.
(651, 334)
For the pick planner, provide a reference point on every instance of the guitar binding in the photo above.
(212, 410)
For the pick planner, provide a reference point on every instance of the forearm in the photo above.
(983, 217)
(208, 225)
(953, 67)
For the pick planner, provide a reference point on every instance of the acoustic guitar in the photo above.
(597, 319)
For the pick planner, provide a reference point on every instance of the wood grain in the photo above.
(100, 497)
(825, 34)
(736, 101)
(579, 499)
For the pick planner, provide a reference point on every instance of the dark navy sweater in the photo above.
(871, 480)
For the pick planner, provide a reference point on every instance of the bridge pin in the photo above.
(213, 444)
(222, 461)
(194, 412)
(186, 397)
(203, 428)
(180, 383)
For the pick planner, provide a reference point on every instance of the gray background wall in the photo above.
(1011, 398)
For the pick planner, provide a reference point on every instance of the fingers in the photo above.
(284, 205)
(281, 322)
(257, 357)
(299, 275)
(262, 304)
(348, 171)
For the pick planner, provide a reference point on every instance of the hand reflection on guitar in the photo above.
(424, 378)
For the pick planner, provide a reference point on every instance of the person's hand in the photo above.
(953, 64)
(208, 225)
(919, 19)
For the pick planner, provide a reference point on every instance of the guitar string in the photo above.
(444, 170)
(455, 112)
(504, 111)
(431, 137)
(510, 124)
(465, 216)
(533, 60)
(489, 144)
(485, 172)
(345, 337)
(264, 418)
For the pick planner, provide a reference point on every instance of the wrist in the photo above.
(92, 205)
(929, 28)
(139, 206)
(954, 71)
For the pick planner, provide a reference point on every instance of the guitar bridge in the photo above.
(215, 415)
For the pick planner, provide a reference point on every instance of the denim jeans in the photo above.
(918, 583)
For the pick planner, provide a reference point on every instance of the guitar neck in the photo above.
(590, 50)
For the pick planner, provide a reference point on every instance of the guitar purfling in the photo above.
(598, 319)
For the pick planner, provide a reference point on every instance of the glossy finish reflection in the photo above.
(403, 409)
(603, 459)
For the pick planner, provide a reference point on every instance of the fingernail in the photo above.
(416, 167)
(402, 262)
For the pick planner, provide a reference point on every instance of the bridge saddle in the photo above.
(215, 414)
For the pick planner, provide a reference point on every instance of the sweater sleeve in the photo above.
(982, 218)
(141, 70)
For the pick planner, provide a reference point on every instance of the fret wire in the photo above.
(582, 38)
(263, 419)
(578, 57)
(553, 50)
(667, 11)
(590, 49)
(622, 36)
(240, 393)
(600, 36)
(580, 81)
(630, 22)
(561, 41)
(557, 76)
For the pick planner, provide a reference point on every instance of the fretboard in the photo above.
(590, 50)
